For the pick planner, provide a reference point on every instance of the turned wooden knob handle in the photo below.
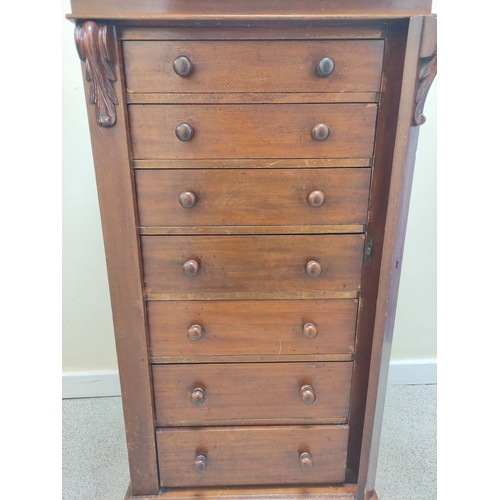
(316, 199)
(183, 66)
(197, 396)
(184, 132)
(306, 462)
(190, 267)
(313, 268)
(325, 67)
(195, 333)
(307, 394)
(187, 199)
(200, 464)
(310, 330)
(320, 132)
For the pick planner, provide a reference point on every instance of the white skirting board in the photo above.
(95, 384)
(412, 371)
(90, 384)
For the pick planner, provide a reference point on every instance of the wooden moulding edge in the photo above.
(251, 230)
(250, 296)
(250, 358)
(271, 163)
(343, 492)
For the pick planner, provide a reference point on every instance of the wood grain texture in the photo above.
(392, 253)
(288, 31)
(253, 66)
(252, 131)
(343, 492)
(253, 163)
(252, 264)
(140, 11)
(259, 393)
(292, 295)
(250, 328)
(252, 455)
(268, 129)
(252, 197)
(121, 241)
(251, 358)
(251, 98)
(224, 230)
(396, 44)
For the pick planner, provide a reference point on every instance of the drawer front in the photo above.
(252, 455)
(252, 197)
(252, 131)
(212, 394)
(268, 266)
(256, 66)
(193, 330)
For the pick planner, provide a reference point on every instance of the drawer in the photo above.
(253, 66)
(194, 330)
(240, 267)
(252, 455)
(263, 393)
(252, 131)
(249, 197)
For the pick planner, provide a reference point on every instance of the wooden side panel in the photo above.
(377, 213)
(252, 455)
(254, 66)
(274, 265)
(252, 197)
(421, 37)
(260, 393)
(119, 223)
(252, 131)
(244, 328)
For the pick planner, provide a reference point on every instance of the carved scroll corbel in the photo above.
(93, 47)
(427, 67)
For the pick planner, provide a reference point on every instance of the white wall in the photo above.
(88, 342)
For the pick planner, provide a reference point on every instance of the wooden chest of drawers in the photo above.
(254, 163)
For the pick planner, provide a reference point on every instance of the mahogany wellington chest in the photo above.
(254, 161)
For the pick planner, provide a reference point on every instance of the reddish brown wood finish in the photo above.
(252, 197)
(251, 393)
(310, 492)
(253, 66)
(119, 223)
(273, 265)
(252, 131)
(252, 455)
(244, 328)
(254, 163)
(421, 35)
(252, 98)
(252, 127)
(271, 31)
(384, 150)
(93, 45)
(292, 10)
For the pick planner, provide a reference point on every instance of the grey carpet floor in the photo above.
(95, 463)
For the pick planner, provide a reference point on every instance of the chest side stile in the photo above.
(107, 114)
